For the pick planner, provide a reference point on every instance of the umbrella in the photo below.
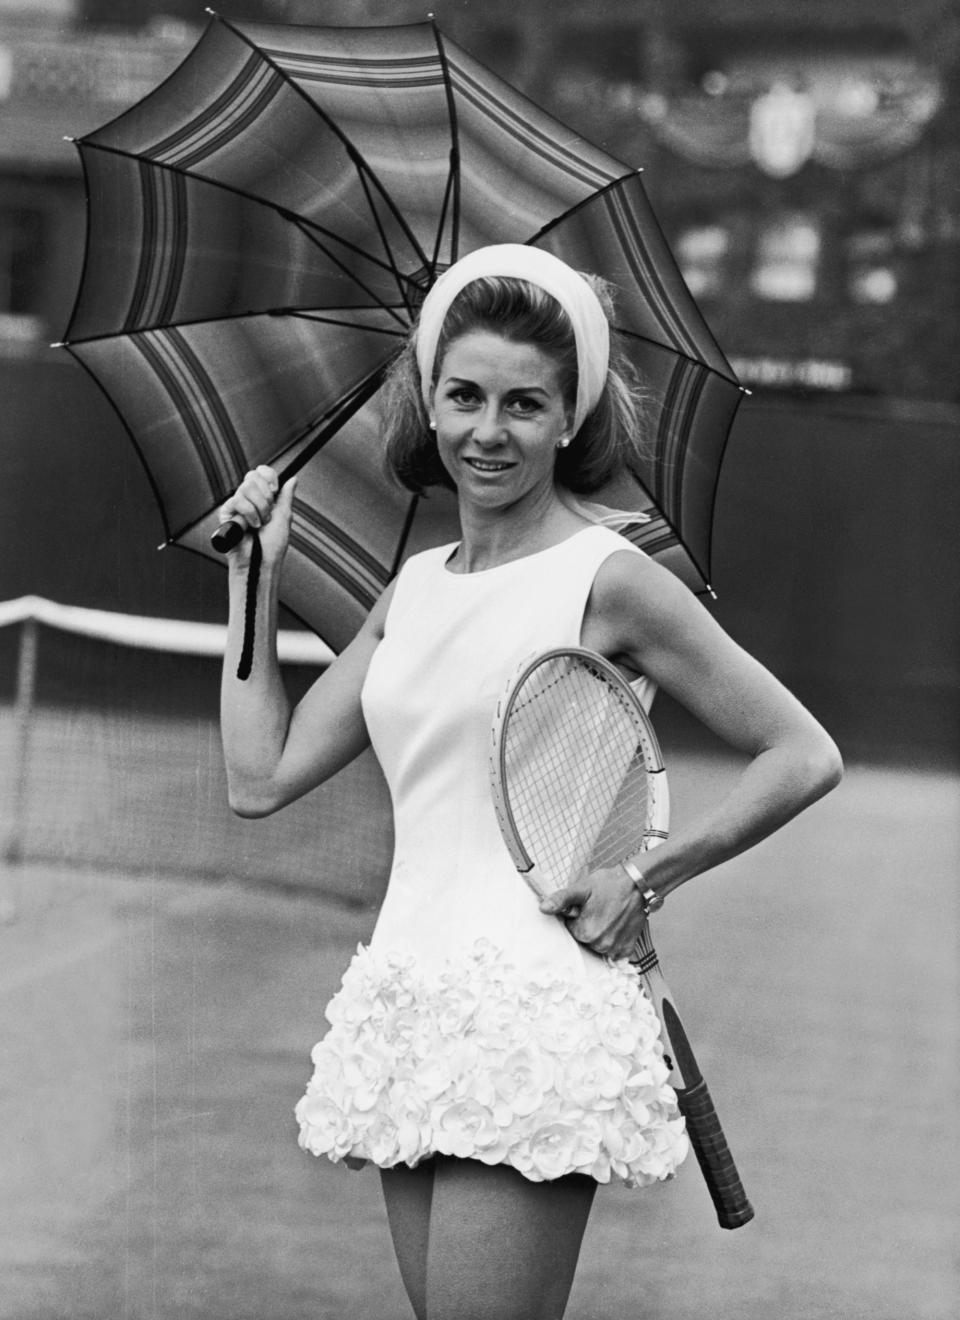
(262, 229)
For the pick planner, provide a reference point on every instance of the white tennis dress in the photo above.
(473, 1024)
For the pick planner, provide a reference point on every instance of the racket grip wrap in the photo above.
(713, 1155)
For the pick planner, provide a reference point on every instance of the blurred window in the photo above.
(871, 277)
(702, 252)
(787, 258)
(610, 51)
(22, 252)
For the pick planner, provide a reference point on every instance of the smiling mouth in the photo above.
(487, 465)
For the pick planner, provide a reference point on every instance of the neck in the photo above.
(494, 537)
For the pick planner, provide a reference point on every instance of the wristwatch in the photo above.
(652, 901)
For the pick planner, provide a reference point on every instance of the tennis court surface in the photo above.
(155, 1034)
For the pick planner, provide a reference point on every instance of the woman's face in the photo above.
(500, 414)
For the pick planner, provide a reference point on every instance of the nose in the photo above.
(488, 428)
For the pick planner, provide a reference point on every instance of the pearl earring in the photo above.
(432, 425)
(562, 444)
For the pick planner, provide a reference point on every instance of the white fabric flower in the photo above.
(464, 1129)
(523, 1079)
(551, 1152)
(481, 1062)
(595, 1076)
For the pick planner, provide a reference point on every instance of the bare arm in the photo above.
(645, 620)
(274, 752)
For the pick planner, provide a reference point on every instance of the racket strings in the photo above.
(575, 766)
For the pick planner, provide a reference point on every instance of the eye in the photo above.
(463, 395)
(524, 404)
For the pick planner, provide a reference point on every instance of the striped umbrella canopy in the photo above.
(261, 231)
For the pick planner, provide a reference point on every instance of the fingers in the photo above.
(284, 502)
(593, 919)
(566, 902)
(254, 499)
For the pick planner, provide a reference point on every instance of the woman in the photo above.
(495, 1059)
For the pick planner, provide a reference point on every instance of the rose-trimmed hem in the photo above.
(482, 1062)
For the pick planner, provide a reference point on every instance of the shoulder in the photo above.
(408, 586)
(636, 600)
(629, 578)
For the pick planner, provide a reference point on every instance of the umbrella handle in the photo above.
(250, 608)
(228, 535)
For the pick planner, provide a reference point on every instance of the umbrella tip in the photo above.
(61, 343)
(68, 138)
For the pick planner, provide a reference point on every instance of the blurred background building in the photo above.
(802, 157)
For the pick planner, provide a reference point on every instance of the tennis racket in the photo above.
(578, 784)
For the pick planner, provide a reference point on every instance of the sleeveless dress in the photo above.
(473, 1024)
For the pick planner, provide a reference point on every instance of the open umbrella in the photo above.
(261, 231)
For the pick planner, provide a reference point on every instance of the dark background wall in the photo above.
(835, 553)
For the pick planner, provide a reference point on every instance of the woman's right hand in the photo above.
(260, 503)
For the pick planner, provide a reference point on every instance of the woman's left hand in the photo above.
(604, 912)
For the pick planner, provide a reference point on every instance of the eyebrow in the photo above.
(514, 389)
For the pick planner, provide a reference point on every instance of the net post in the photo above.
(22, 727)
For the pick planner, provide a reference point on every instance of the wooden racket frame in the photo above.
(657, 823)
(703, 1125)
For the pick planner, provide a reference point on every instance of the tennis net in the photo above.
(110, 757)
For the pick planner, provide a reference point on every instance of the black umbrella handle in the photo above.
(250, 606)
(228, 535)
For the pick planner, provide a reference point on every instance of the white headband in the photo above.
(590, 327)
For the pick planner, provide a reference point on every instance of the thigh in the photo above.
(407, 1194)
(502, 1247)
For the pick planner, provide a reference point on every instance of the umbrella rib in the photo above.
(304, 225)
(404, 535)
(303, 314)
(351, 150)
(301, 225)
(392, 266)
(677, 353)
(451, 193)
(587, 201)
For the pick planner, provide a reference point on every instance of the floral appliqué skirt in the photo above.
(479, 1061)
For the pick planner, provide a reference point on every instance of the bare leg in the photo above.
(408, 1194)
(502, 1247)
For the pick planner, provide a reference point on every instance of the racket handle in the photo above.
(713, 1155)
(693, 1099)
